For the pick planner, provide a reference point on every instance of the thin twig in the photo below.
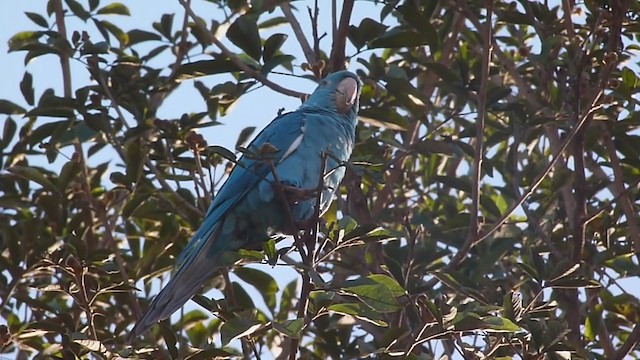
(311, 236)
(297, 31)
(609, 203)
(314, 29)
(200, 182)
(474, 226)
(292, 222)
(629, 344)
(235, 59)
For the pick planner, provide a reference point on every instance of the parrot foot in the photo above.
(295, 195)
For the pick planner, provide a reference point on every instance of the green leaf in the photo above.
(137, 36)
(359, 311)
(512, 306)
(515, 17)
(8, 131)
(244, 34)
(382, 123)
(118, 33)
(269, 249)
(37, 19)
(378, 292)
(19, 40)
(10, 108)
(208, 354)
(244, 135)
(93, 4)
(26, 87)
(204, 68)
(114, 8)
(566, 283)
(134, 155)
(290, 328)
(243, 299)
(272, 45)
(222, 151)
(368, 30)
(32, 174)
(368, 232)
(77, 9)
(592, 323)
(566, 273)
(263, 282)
(444, 72)
(92, 345)
(391, 283)
(459, 183)
(398, 38)
(273, 22)
(236, 328)
(62, 112)
(165, 25)
(499, 324)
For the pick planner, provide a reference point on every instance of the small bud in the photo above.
(523, 51)
(228, 167)
(610, 58)
(613, 83)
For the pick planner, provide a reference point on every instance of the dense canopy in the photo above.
(489, 209)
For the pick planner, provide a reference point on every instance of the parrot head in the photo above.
(338, 92)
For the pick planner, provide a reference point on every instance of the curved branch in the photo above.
(297, 31)
(235, 59)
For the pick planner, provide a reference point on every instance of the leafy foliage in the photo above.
(489, 209)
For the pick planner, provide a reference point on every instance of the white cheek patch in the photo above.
(346, 93)
(294, 145)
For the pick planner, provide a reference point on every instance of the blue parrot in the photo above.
(248, 208)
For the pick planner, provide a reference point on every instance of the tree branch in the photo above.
(297, 31)
(337, 58)
(77, 146)
(474, 226)
(235, 59)
(629, 344)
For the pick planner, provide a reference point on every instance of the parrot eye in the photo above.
(323, 83)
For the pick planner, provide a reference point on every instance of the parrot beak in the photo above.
(346, 93)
